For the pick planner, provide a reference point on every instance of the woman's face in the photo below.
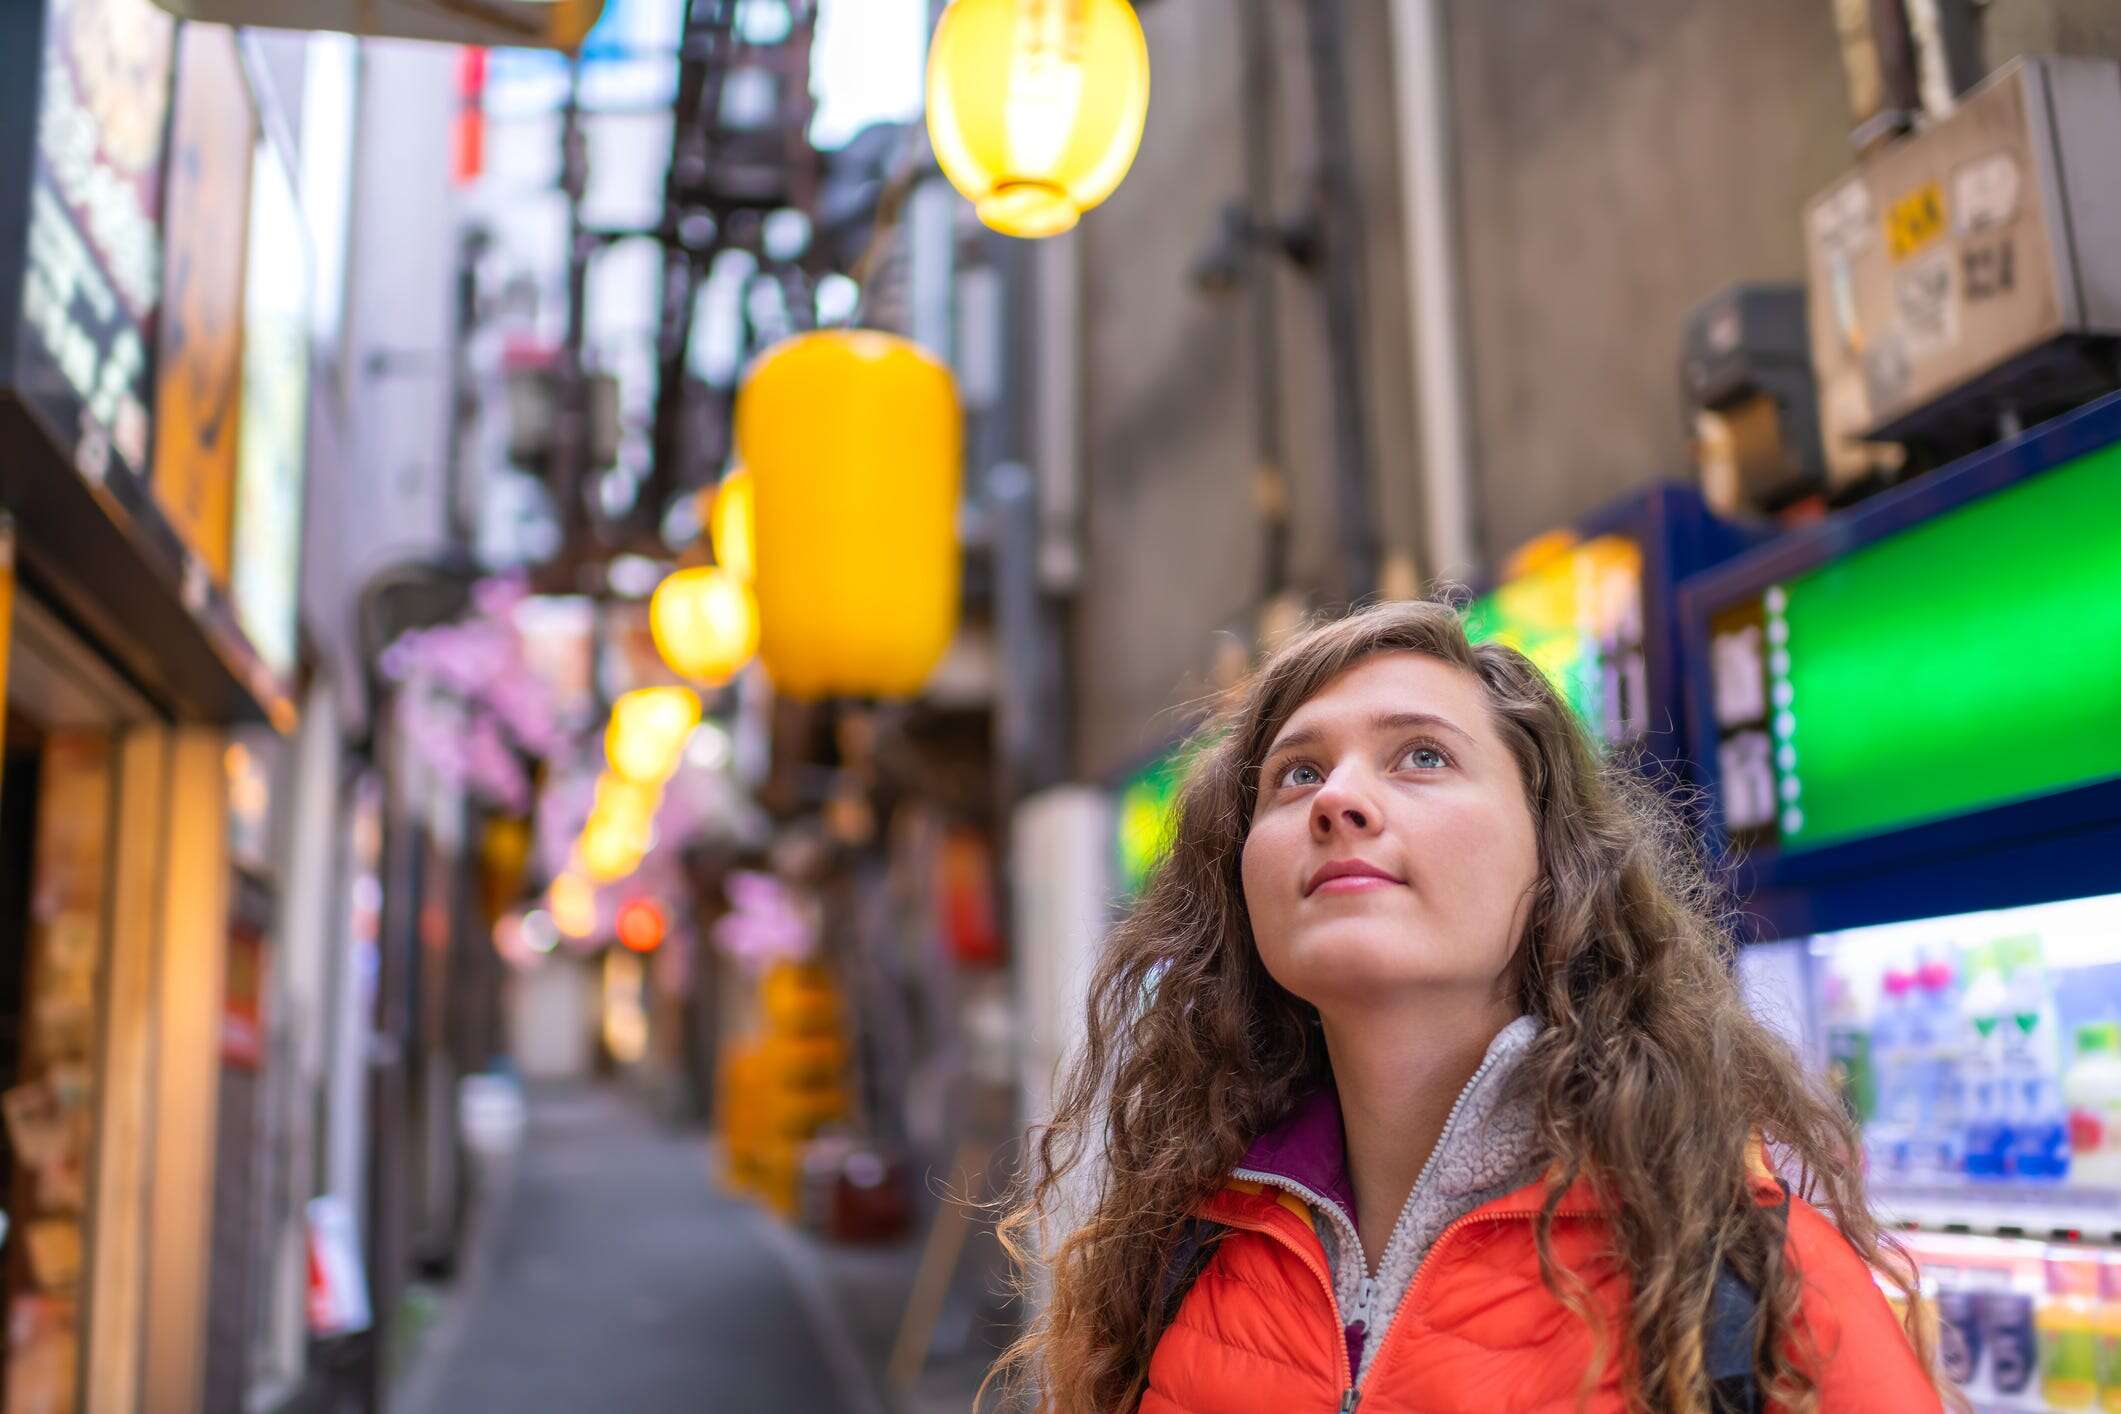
(1391, 848)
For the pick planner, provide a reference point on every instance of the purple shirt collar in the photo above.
(1309, 1147)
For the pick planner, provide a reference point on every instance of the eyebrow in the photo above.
(1382, 722)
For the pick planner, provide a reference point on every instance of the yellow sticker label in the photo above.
(1914, 220)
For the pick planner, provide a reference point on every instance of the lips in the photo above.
(1350, 876)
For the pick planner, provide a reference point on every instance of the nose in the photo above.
(1343, 806)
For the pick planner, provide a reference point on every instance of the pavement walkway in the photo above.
(612, 1276)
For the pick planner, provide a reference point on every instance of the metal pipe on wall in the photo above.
(1341, 249)
(1429, 205)
(1260, 106)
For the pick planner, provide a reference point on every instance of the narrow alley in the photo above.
(610, 1225)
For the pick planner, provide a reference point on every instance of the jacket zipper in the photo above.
(1340, 1219)
(1422, 1271)
(1368, 1298)
(1351, 1397)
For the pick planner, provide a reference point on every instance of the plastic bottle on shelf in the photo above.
(1983, 1005)
(1850, 1067)
(1935, 1036)
(2010, 1340)
(2069, 1331)
(2092, 1088)
(2106, 1325)
(1890, 1136)
(1958, 1325)
(2039, 1123)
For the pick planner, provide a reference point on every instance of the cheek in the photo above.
(1483, 858)
(1265, 863)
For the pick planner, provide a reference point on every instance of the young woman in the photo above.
(1418, 1081)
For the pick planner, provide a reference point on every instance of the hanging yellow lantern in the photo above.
(610, 849)
(706, 623)
(1035, 107)
(855, 444)
(648, 730)
(574, 905)
(631, 803)
(732, 524)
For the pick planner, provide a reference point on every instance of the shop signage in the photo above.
(554, 24)
(1578, 615)
(1967, 661)
(1145, 821)
(93, 283)
(200, 375)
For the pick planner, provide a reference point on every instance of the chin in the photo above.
(1358, 964)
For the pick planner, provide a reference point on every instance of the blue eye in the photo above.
(1291, 772)
(1425, 758)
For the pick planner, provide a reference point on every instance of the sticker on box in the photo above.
(1926, 299)
(1914, 220)
(1985, 193)
(1841, 222)
(1887, 372)
(1990, 266)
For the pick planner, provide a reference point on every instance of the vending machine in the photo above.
(1909, 721)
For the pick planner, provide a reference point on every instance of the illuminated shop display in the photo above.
(1578, 614)
(1967, 662)
(1148, 816)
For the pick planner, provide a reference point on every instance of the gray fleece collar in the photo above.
(1487, 1148)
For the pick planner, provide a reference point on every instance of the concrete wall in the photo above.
(1618, 163)
(1615, 164)
(1171, 531)
(2051, 27)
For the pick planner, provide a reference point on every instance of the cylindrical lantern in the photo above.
(706, 623)
(648, 730)
(1035, 107)
(732, 524)
(855, 444)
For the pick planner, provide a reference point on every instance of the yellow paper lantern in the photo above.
(1035, 107)
(610, 849)
(732, 524)
(631, 803)
(648, 730)
(706, 623)
(574, 905)
(855, 444)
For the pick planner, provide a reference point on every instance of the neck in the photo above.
(1399, 1069)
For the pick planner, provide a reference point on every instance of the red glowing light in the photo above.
(641, 925)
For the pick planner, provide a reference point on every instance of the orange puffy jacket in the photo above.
(1477, 1332)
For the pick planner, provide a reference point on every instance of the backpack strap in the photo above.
(1727, 1345)
(1196, 1246)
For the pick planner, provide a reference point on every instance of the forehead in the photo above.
(1388, 683)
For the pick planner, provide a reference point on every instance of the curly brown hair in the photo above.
(1649, 1075)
